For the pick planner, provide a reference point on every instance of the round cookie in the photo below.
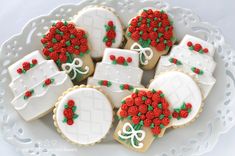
(83, 115)
(103, 27)
(182, 93)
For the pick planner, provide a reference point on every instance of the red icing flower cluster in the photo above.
(28, 94)
(197, 71)
(175, 61)
(120, 60)
(110, 36)
(105, 83)
(69, 112)
(126, 87)
(48, 82)
(26, 66)
(63, 40)
(197, 47)
(183, 111)
(147, 108)
(152, 28)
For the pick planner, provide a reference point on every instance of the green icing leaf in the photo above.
(162, 116)
(183, 106)
(162, 126)
(105, 39)
(129, 118)
(75, 116)
(74, 108)
(150, 107)
(107, 28)
(177, 110)
(65, 120)
(54, 40)
(152, 125)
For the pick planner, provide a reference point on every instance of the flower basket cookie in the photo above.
(83, 115)
(68, 46)
(143, 116)
(36, 84)
(151, 35)
(103, 27)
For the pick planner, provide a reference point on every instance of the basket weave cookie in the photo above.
(83, 115)
(103, 27)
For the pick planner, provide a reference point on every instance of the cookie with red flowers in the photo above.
(118, 74)
(143, 116)
(67, 45)
(151, 34)
(195, 57)
(183, 94)
(103, 27)
(36, 84)
(83, 115)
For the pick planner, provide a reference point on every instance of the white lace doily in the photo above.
(40, 137)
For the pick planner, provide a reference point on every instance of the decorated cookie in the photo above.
(195, 57)
(151, 35)
(118, 74)
(103, 27)
(36, 85)
(83, 115)
(144, 116)
(68, 46)
(183, 94)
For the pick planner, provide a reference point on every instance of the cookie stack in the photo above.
(94, 41)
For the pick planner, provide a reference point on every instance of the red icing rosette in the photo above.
(152, 28)
(62, 41)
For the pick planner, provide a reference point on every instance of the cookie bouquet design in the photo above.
(68, 46)
(151, 35)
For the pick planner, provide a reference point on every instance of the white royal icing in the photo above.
(194, 40)
(146, 54)
(120, 52)
(128, 132)
(117, 74)
(74, 67)
(179, 88)
(94, 19)
(43, 98)
(191, 59)
(95, 116)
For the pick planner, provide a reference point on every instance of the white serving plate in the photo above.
(40, 137)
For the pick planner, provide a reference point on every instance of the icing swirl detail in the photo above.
(75, 67)
(130, 133)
